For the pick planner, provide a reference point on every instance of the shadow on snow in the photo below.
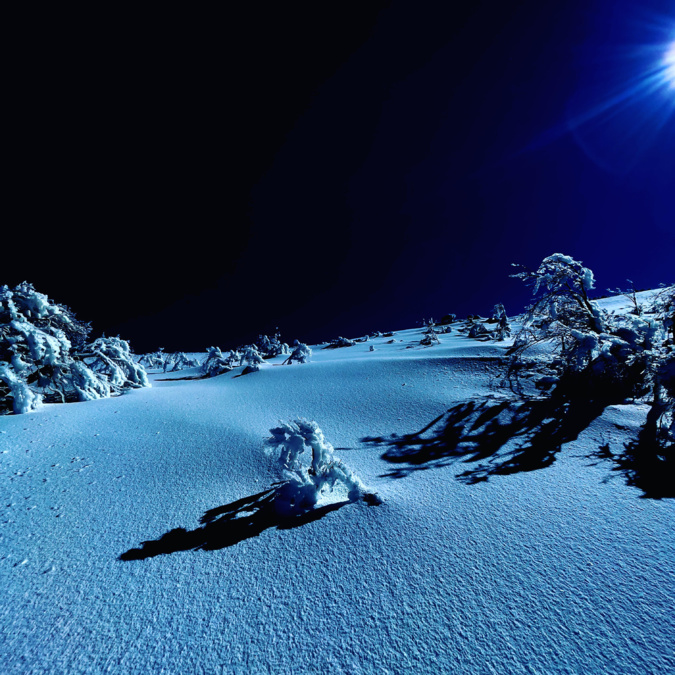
(229, 525)
(507, 436)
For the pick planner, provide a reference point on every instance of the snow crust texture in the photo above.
(136, 534)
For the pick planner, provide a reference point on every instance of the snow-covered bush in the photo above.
(155, 360)
(251, 357)
(216, 363)
(14, 389)
(44, 355)
(269, 347)
(478, 330)
(637, 307)
(340, 342)
(181, 360)
(306, 461)
(560, 286)
(447, 319)
(301, 353)
(503, 327)
(616, 356)
(430, 335)
(112, 358)
(663, 308)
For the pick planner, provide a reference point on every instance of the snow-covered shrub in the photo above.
(447, 319)
(155, 360)
(430, 335)
(560, 286)
(503, 327)
(44, 355)
(663, 307)
(251, 357)
(664, 399)
(112, 358)
(269, 347)
(637, 307)
(306, 461)
(478, 330)
(216, 363)
(301, 353)
(14, 389)
(180, 361)
(615, 356)
(340, 342)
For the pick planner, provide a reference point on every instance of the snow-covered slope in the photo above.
(561, 570)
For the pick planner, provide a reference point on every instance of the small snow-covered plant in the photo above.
(503, 327)
(478, 330)
(630, 295)
(271, 346)
(305, 459)
(447, 319)
(340, 342)
(301, 353)
(216, 363)
(430, 334)
(251, 357)
(155, 360)
(181, 360)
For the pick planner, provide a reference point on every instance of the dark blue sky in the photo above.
(188, 181)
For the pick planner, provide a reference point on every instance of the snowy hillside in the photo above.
(135, 534)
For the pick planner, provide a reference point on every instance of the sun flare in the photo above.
(669, 62)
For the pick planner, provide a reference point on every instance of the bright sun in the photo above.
(669, 62)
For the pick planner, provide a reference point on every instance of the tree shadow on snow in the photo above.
(506, 436)
(646, 462)
(229, 525)
(503, 436)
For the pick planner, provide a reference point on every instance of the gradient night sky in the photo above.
(334, 168)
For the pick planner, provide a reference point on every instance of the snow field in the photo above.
(558, 570)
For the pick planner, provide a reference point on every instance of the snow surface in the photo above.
(561, 570)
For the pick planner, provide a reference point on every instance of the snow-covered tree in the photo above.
(217, 363)
(560, 286)
(306, 461)
(112, 358)
(621, 354)
(44, 355)
(252, 358)
(301, 353)
(271, 346)
(503, 327)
